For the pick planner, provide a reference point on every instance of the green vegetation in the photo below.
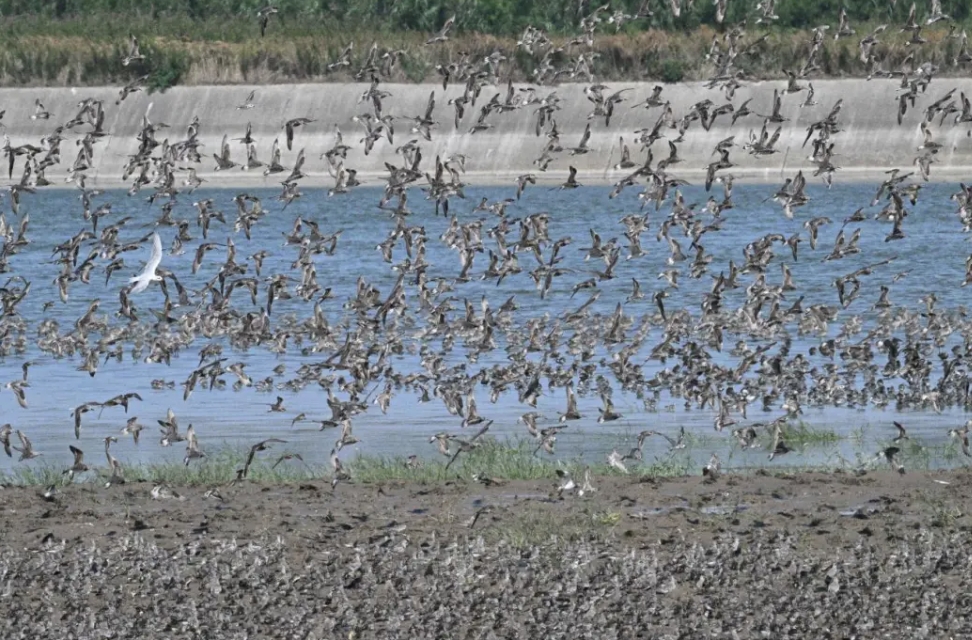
(802, 434)
(236, 20)
(82, 42)
(513, 461)
(943, 514)
(500, 461)
(491, 461)
(217, 468)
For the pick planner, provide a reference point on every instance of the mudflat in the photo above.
(761, 555)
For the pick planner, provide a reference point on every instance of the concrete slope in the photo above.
(870, 142)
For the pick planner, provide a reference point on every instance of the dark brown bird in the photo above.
(79, 466)
(290, 125)
(263, 445)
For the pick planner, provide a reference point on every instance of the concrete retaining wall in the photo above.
(870, 143)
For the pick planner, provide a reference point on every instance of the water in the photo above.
(933, 252)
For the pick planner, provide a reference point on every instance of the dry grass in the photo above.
(65, 59)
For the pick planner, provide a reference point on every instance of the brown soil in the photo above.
(840, 555)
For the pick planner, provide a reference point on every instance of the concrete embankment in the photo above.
(870, 141)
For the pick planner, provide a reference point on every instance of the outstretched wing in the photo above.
(156, 257)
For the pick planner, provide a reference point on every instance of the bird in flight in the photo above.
(148, 274)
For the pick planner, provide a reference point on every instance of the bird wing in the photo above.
(156, 257)
(571, 400)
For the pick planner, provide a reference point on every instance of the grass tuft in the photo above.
(499, 461)
(802, 434)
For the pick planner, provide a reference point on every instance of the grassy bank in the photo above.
(89, 52)
(496, 461)
(500, 461)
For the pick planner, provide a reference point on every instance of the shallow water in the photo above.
(933, 252)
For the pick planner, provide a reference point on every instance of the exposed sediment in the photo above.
(870, 140)
(878, 555)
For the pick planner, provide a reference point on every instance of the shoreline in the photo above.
(669, 558)
(845, 496)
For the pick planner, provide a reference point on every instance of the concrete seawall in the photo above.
(870, 142)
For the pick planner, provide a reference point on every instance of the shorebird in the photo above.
(608, 413)
(263, 445)
(340, 473)
(902, 434)
(134, 54)
(571, 413)
(566, 483)
(26, 450)
(522, 181)
(289, 127)
(222, 159)
(132, 428)
(79, 466)
(746, 436)
(133, 86)
(347, 436)
(441, 440)
(465, 446)
(616, 460)
(626, 162)
(779, 446)
(120, 400)
(962, 435)
(263, 15)
(40, 113)
(248, 103)
(251, 159)
(17, 388)
(443, 33)
(344, 60)
(571, 182)
(170, 429)
(472, 416)
(936, 15)
(162, 491)
(581, 148)
(586, 485)
(114, 465)
(192, 446)
(890, 455)
(79, 411)
(5, 432)
(547, 439)
(674, 444)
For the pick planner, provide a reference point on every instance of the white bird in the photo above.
(148, 275)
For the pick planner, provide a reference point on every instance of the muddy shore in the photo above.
(835, 555)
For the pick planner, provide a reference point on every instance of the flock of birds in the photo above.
(578, 352)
